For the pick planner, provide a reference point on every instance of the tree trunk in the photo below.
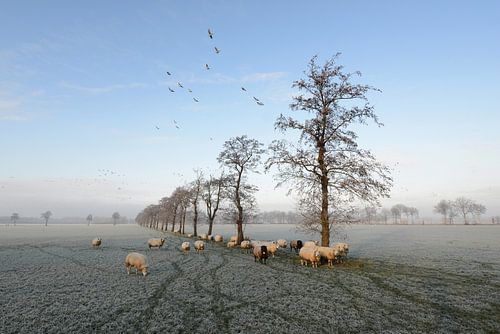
(325, 226)
(210, 224)
(195, 221)
(239, 220)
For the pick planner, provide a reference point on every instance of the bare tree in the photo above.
(89, 219)
(444, 208)
(241, 155)
(464, 207)
(396, 213)
(327, 156)
(116, 217)
(212, 196)
(46, 216)
(477, 210)
(14, 218)
(196, 189)
(370, 213)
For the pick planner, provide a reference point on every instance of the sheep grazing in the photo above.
(343, 250)
(137, 261)
(199, 246)
(96, 242)
(309, 254)
(204, 236)
(234, 238)
(282, 243)
(231, 244)
(218, 238)
(260, 253)
(310, 244)
(246, 245)
(155, 242)
(328, 253)
(186, 246)
(296, 245)
(272, 247)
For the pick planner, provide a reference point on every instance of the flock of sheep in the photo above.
(309, 251)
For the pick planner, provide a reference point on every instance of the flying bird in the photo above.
(260, 103)
(180, 85)
(210, 33)
(157, 127)
(171, 90)
(176, 125)
(168, 73)
(217, 50)
(243, 89)
(256, 99)
(207, 67)
(195, 100)
(189, 90)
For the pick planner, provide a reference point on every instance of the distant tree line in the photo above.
(464, 208)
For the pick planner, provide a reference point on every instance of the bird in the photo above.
(217, 50)
(176, 125)
(210, 33)
(171, 90)
(157, 127)
(256, 99)
(260, 103)
(243, 89)
(211, 138)
(189, 90)
(168, 73)
(207, 67)
(195, 100)
(180, 85)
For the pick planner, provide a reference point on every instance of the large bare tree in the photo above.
(196, 190)
(326, 160)
(241, 155)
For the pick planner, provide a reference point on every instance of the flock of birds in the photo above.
(207, 67)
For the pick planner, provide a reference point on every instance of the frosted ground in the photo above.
(397, 279)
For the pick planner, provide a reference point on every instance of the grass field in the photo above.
(396, 280)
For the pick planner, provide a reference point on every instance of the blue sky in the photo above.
(83, 87)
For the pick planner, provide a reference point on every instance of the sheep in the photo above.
(155, 242)
(218, 238)
(329, 253)
(199, 246)
(310, 244)
(210, 237)
(246, 245)
(186, 246)
(138, 261)
(231, 244)
(296, 245)
(190, 235)
(343, 250)
(282, 243)
(96, 242)
(203, 236)
(234, 238)
(260, 252)
(272, 246)
(310, 254)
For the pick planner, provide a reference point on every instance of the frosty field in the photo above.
(397, 279)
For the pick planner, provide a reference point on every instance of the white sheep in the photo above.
(234, 238)
(218, 238)
(310, 244)
(156, 242)
(203, 236)
(186, 246)
(246, 245)
(96, 242)
(137, 261)
(231, 244)
(343, 250)
(190, 235)
(329, 253)
(309, 254)
(199, 245)
(272, 246)
(282, 243)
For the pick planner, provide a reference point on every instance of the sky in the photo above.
(83, 88)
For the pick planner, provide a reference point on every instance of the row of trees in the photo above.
(325, 169)
(463, 207)
(47, 214)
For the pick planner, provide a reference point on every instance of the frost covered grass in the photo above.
(397, 279)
